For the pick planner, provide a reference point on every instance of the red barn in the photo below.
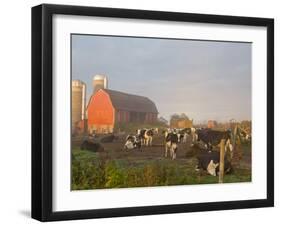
(108, 107)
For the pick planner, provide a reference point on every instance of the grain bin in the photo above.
(99, 82)
(78, 104)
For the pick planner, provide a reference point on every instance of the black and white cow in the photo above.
(146, 136)
(210, 161)
(171, 144)
(194, 136)
(133, 142)
(246, 137)
(180, 134)
(140, 134)
(184, 134)
(213, 138)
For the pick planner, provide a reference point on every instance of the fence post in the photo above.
(234, 136)
(221, 172)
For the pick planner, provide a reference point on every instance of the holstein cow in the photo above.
(184, 133)
(146, 136)
(213, 138)
(246, 137)
(209, 160)
(133, 141)
(179, 132)
(193, 133)
(171, 144)
(179, 135)
(140, 134)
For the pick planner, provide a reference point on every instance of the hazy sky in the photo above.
(204, 79)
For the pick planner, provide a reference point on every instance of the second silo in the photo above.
(99, 82)
(78, 105)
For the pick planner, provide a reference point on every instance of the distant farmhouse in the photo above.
(180, 121)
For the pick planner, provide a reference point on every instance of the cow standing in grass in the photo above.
(140, 134)
(146, 136)
(213, 138)
(171, 144)
(183, 134)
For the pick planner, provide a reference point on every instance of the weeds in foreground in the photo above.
(94, 171)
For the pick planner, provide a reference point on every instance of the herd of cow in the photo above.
(173, 137)
(203, 140)
(208, 159)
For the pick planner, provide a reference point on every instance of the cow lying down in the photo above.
(209, 161)
(132, 142)
(91, 146)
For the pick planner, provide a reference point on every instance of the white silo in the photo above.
(99, 82)
(78, 102)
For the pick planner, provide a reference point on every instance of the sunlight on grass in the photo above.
(93, 170)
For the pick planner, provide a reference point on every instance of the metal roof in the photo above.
(131, 102)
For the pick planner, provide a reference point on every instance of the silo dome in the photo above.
(99, 82)
(99, 77)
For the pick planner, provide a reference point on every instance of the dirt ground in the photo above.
(185, 153)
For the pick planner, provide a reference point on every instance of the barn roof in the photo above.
(131, 102)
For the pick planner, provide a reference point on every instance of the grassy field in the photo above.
(116, 168)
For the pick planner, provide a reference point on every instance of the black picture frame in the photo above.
(42, 107)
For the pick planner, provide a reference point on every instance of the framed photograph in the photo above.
(145, 112)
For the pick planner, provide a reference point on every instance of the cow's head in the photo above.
(129, 145)
(211, 169)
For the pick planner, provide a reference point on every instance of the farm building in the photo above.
(107, 108)
(99, 82)
(78, 105)
(212, 124)
(181, 123)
